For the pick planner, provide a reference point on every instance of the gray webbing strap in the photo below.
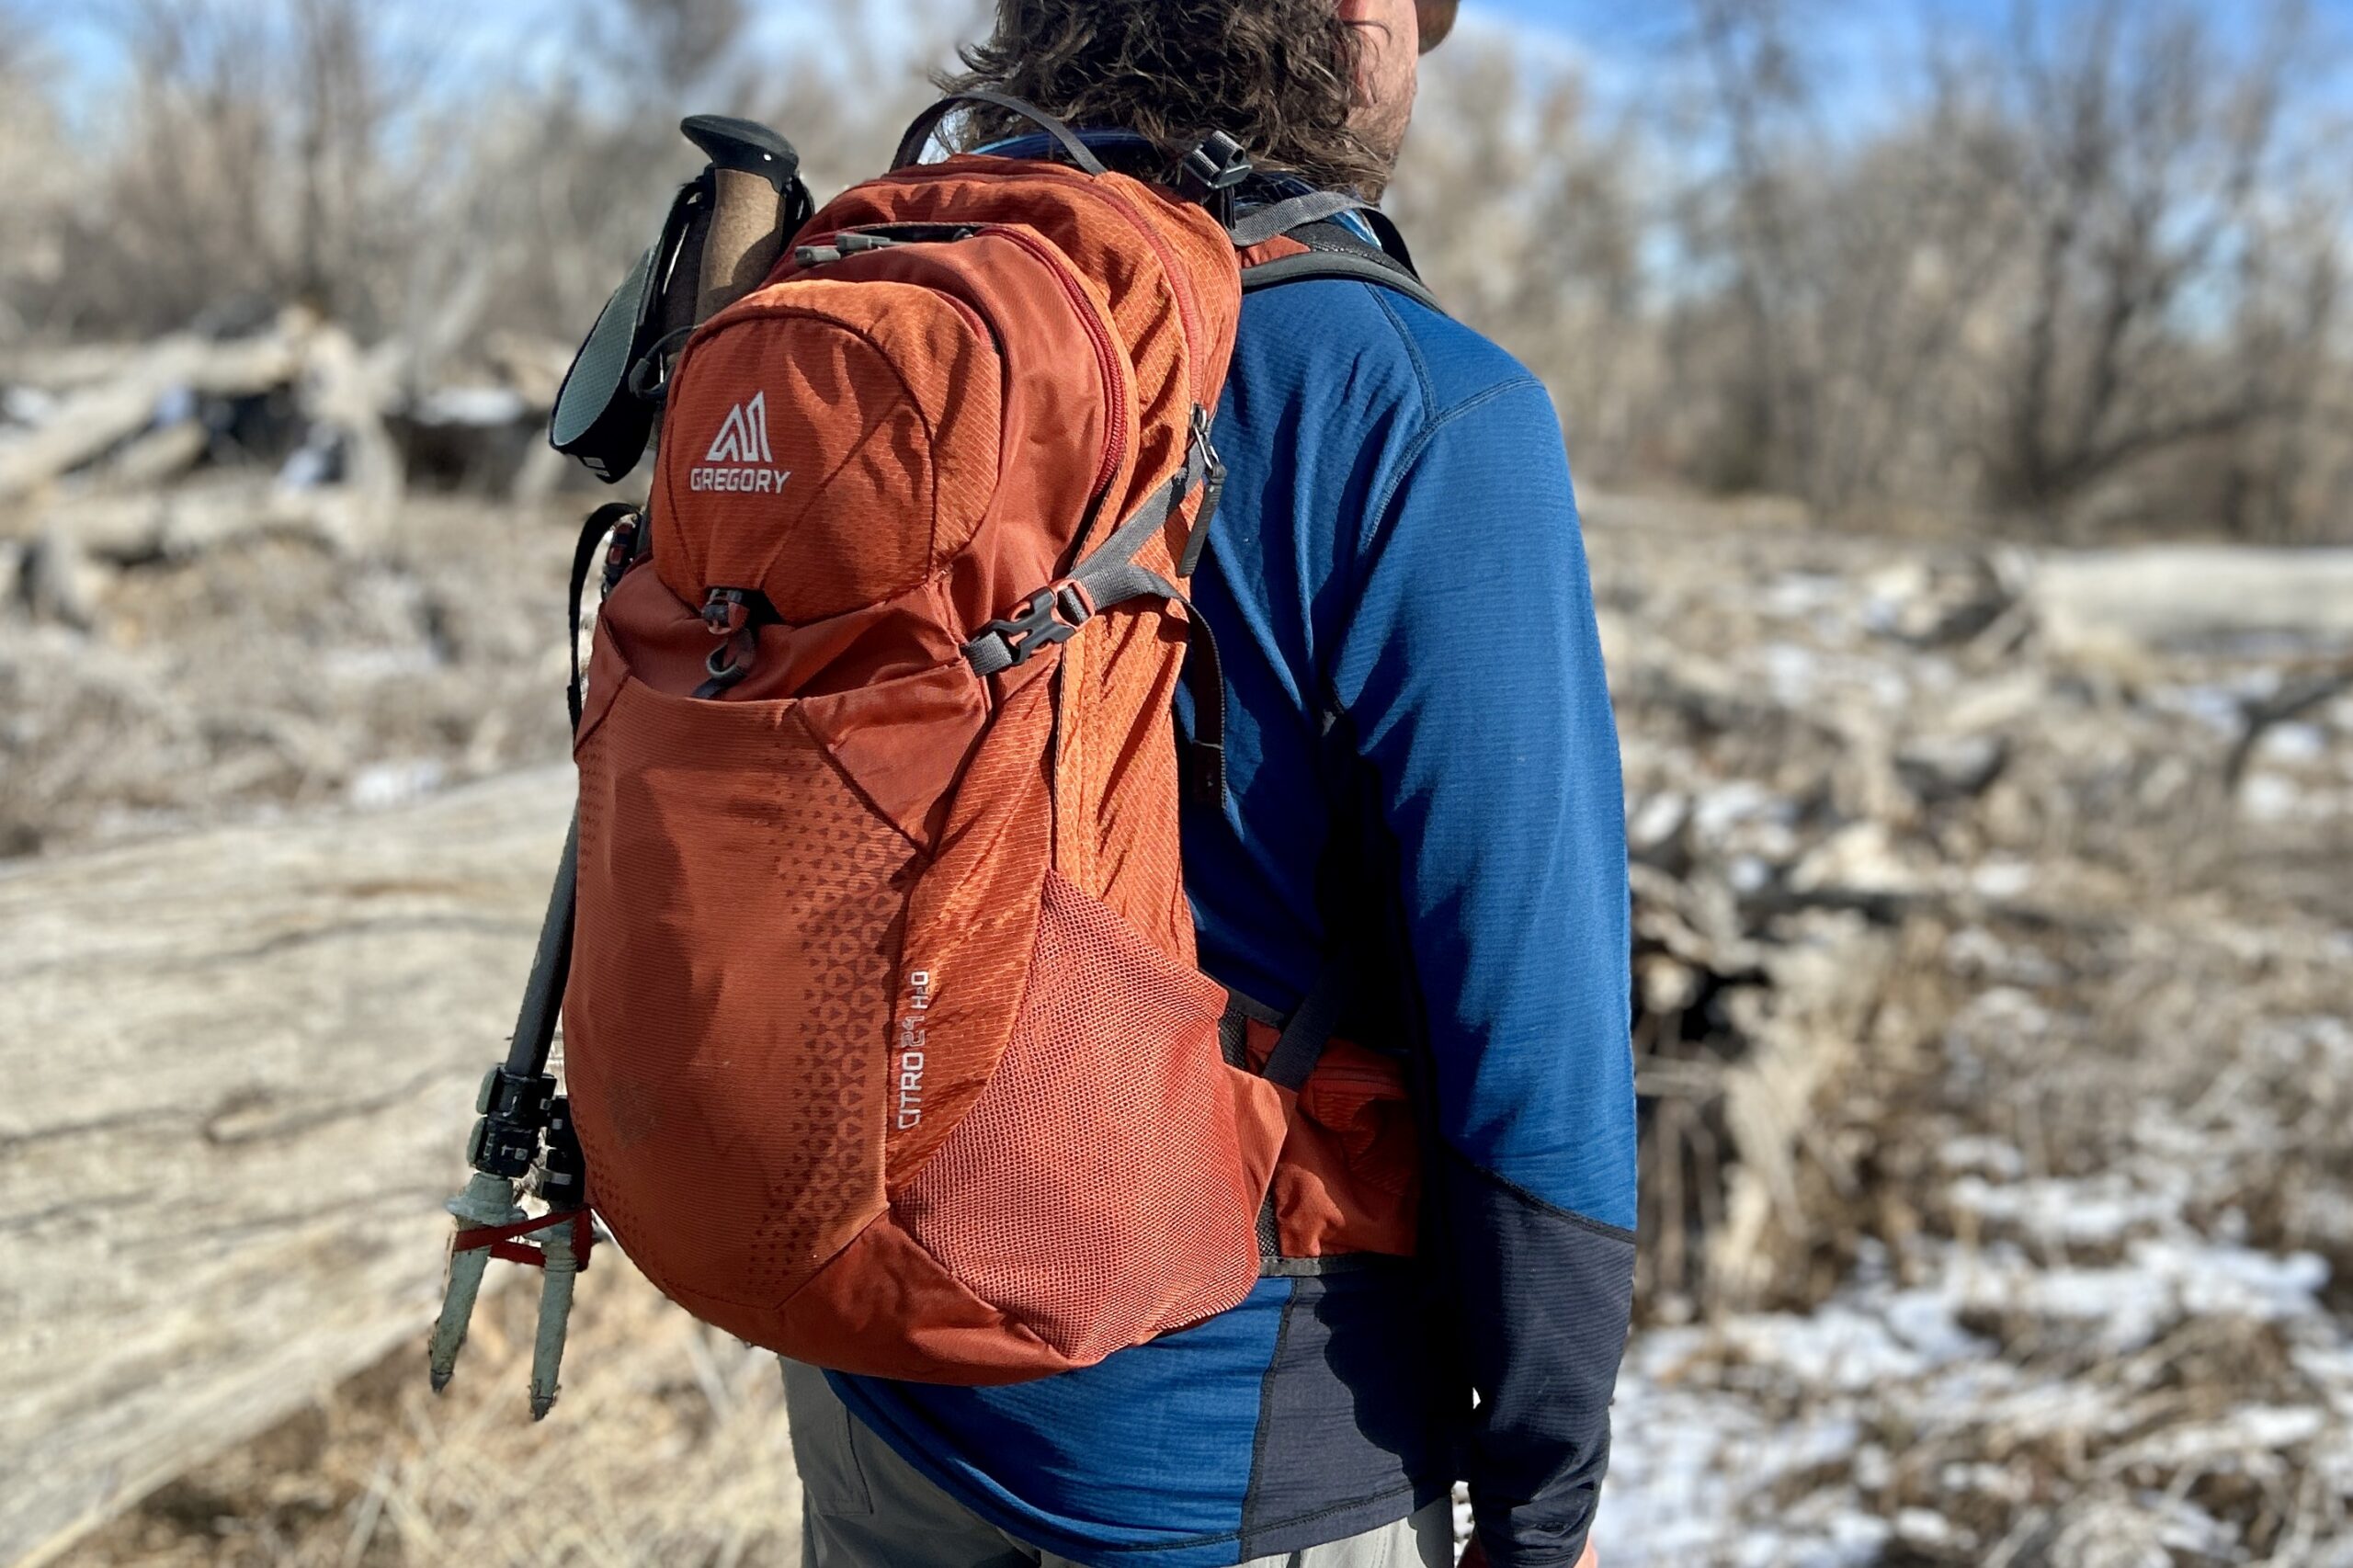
(1264, 224)
(1339, 264)
(1147, 521)
(1108, 576)
(1308, 1030)
(1110, 583)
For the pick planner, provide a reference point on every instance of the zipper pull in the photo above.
(726, 611)
(848, 244)
(727, 615)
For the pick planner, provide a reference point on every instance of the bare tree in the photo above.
(1523, 212)
(2149, 151)
(2089, 272)
(36, 169)
(1762, 97)
(2081, 270)
(689, 41)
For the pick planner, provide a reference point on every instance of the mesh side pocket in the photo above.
(1105, 1186)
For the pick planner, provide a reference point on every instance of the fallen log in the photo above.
(240, 1067)
(56, 368)
(92, 421)
(2174, 595)
(182, 522)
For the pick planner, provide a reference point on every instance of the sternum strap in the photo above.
(1109, 576)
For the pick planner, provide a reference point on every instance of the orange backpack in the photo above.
(885, 1041)
(886, 1047)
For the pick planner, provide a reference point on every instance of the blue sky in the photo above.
(1618, 40)
(1862, 47)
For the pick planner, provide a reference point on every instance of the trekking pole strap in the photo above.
(601, 523)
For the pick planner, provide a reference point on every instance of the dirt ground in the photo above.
(1994, 1031)
(279, 673)
(668, 1446)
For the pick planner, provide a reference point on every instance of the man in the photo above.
(1415, 684)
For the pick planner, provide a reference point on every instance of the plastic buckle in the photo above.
(1214, 171)
(621, 553)
(1053, 615)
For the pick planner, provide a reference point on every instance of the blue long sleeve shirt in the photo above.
(1416, 686)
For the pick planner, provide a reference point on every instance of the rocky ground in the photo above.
(1996, 968)
(2026, 965)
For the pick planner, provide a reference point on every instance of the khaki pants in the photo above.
(866, 1507)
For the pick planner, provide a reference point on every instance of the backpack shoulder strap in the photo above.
(1321, 246)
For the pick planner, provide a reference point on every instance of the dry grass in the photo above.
(668, 1446)
(279, 673)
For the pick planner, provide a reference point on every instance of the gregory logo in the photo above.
(741, 460)
(912, 1036)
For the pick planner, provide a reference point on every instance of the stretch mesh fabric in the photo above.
(1099, 1191)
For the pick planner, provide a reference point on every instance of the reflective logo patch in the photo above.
(741, 461)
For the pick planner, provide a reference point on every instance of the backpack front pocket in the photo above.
(730, 1006)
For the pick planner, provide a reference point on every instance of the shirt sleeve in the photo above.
(1470, 674)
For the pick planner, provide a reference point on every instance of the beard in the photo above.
(1382, 127)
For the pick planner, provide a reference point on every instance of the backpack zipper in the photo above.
(1107, 357)
(1179, 284)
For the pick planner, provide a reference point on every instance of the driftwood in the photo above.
(2157, 596)
(92, 421)
(239, 1070)
(120, 419)
(176, 523)
(68, 367)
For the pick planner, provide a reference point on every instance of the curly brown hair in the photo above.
(1276, 75)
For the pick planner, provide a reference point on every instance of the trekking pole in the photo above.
(726, 230)
(756, 201)
(516, 1106)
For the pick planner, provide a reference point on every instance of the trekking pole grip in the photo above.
(755, 190)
